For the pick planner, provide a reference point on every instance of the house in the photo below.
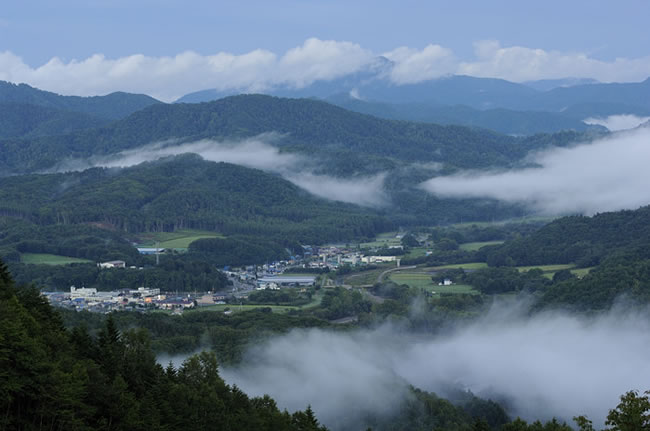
(172, 303)
(446, 282)
(150, 250)
(378, 259)
(112, 264)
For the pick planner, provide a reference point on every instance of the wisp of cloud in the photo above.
(606, 175)
(549, 365)
(256, 152)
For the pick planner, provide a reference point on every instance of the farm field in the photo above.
(545, 268)
(415, 252)
(178, 239)
(473, 246)
(581, 272)
(382, 240)
(50, 259)
(548, 270)
(422, 280)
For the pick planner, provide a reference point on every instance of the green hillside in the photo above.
(185, 193)
(112, 106)
(350, 141)
(19, 120)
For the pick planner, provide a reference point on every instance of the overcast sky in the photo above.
(608, 40)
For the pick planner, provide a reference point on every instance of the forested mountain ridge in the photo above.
(20, 120)
(111, 107)
(185, 192)
(478, 93)
(578, 239)
(501, 120)
(310, 126)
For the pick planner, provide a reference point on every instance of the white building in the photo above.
(112, 264)
(84, 292)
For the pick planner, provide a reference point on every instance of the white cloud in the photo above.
(168, 78)
(518, 63)
(321, 60)
(256, 152)
(607, 175)
(616, 123)
(412, 66)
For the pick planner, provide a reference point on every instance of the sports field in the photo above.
(50, 259)
(178, 239)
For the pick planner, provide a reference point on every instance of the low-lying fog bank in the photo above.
(548, 365)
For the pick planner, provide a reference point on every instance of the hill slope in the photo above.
(501, 120)
(112, 106)
(19, 120)
(185, 192)
(313, 127)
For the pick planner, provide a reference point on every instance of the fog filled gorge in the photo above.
(551, 364)
(256, 152)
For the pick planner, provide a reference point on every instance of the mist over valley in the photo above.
(325, 215)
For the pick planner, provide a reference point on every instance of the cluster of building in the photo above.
(142, 298)
(273, 276)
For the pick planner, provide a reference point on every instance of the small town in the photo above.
(297, 272)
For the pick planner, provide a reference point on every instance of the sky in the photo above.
(607, 40)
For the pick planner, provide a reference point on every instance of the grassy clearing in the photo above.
(473, 246)
(178, 239)
(421, 280)
(546, 268)
(50, 259)
(415, 252)
(581, 272)
(382, 240)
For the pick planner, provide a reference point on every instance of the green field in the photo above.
(581, 272)
(473, 246)
(382, 240)
(470, 265)
(421, 280)
(50, 259)
(545, 268)
(363, 278)
(415, 252)
(178, 239)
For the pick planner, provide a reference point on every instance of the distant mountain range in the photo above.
(345, 142)
(496, 104)
(478, 93)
